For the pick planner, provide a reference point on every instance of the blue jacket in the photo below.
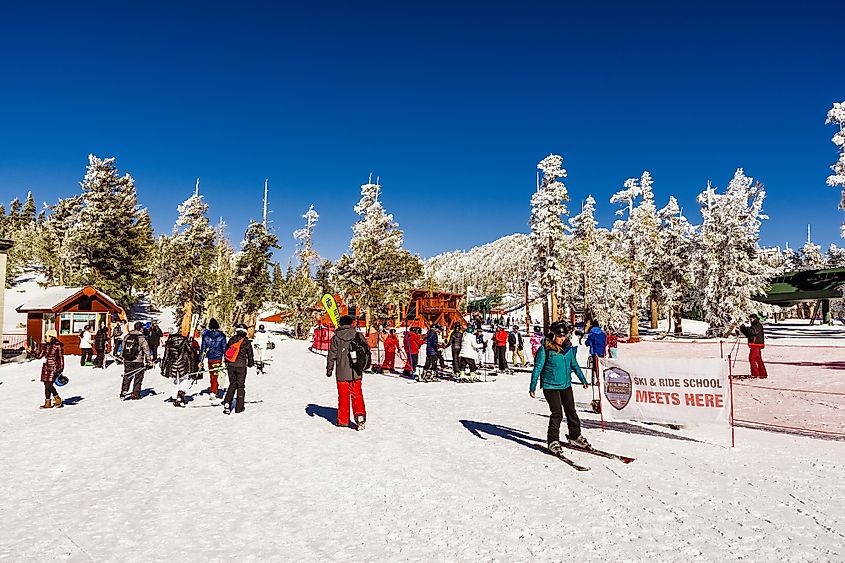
(431, 343)
(596, 340)
(554, 369)
(213, 344)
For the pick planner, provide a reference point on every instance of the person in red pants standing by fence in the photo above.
(756, 343)
(391, 344)
(340, 363)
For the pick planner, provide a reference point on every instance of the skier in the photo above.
(238, 359)
(516, 346)
(259, 341)
(213, 347)
(339, 362)
(86, 346)
(391, 344)
(536, 341)
(431, 349)
(500, 342)
(553, 367)
(596, 342)
(177, 364)
(469, 352)
(53, 353)
(101, 339)
(136, 359)
(455, 342)
(154, 340)
(756, 342)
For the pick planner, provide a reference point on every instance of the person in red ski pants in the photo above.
(756, 343)
(338, 363)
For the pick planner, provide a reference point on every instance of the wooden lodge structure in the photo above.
(424, 308)
(67, 310)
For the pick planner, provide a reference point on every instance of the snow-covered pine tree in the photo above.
(836, 115)
(548, 206)
(222, 301)
(304, 249)
(585, 251)
(610, 293)
(791, 261)
(51, 238)
(731, 268)
(376, 271)
(102, 244)
(185, 278)
(252, 273)
(277, 283)
(298, 296)
(811, 256)
(673, 261)
(635, 242)
(835, 257)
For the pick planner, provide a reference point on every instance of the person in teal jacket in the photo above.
(553, 367)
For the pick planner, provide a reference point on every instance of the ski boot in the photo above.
(227, 408)
(360, 420)
(579, 442)
(180, 399)
(555, 447)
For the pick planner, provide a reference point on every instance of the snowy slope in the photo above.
(443, 472)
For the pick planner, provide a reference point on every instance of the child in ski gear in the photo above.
(136, 359)
(500, 342)
(469, 351)
(154, 340)
(454, 342)
(756, 342)
(213, 347)
(53, 353)
(536, 341)
(553, 367)
(612, 343)
(86, 346)
(391, 344)
(516, 345)
(348, 379)
(596, 342)
(177, 364)
(237, 367)
(100, 341)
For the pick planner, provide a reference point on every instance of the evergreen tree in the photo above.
(298, 296)
(731, 268)
(674, 261)
(102, 245)
(304, 248)
(377, 270)
(29, 210)
(277, 283)
(222, 302)
(323, 277)
(791, 261)
(837, 180)
(585, 251)
(52, 236)
(835, 257)
(252, 272)
(548, 206)
(185, 278)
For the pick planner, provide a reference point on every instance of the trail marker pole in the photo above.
(731, 386)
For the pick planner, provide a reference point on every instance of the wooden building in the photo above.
(67, 310)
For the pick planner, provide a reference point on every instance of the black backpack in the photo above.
(131, 347)
(359, 354)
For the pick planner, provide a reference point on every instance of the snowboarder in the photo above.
(86, 346)
(756, 342)
(238, 359)
(536, 341)
(391, 344)
(341, 363)
(500, 342)
(596, 342)
(431, 348)
(213, 347)
(154, 340)
(516, 345)
(101, 339)
(136, 359)
(53, 353)
(553, 367)
(177, 364)
(454, 342)
(468, 353)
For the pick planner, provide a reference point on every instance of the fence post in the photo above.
(731, 386)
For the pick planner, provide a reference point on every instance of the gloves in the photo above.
(328, 374)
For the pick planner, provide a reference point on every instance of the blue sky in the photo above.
(450, 105)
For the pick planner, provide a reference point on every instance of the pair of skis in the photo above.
(578, 467)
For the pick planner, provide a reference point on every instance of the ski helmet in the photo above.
(61, 380)
(240, 328)
(560, 328)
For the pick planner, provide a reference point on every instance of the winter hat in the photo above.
(139, 325)
(240, 328)
(345, 320)
(51, 334)
(213, 324)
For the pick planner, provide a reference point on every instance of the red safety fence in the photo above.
(14, 341)
(803, 393)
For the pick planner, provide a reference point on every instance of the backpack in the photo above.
(232, 351)
(131, 348)
(359, 354)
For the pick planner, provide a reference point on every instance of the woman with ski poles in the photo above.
(553, 367)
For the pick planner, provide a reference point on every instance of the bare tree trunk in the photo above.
(634, 329)
(251, 319)
(545, 313)
(527, 311)
(653, 309)
(677, 312)
(187, 313)
(554, 312)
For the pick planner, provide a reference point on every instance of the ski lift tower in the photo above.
(5, 245)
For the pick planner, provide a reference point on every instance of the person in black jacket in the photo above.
(348, 378)
(454, 342)
(154, 340)
(100, 341)
(177, 364)
(236, 369)
(756, 342)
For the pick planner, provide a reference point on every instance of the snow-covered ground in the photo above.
(443, 472)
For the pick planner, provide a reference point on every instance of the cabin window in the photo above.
(73, 323)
